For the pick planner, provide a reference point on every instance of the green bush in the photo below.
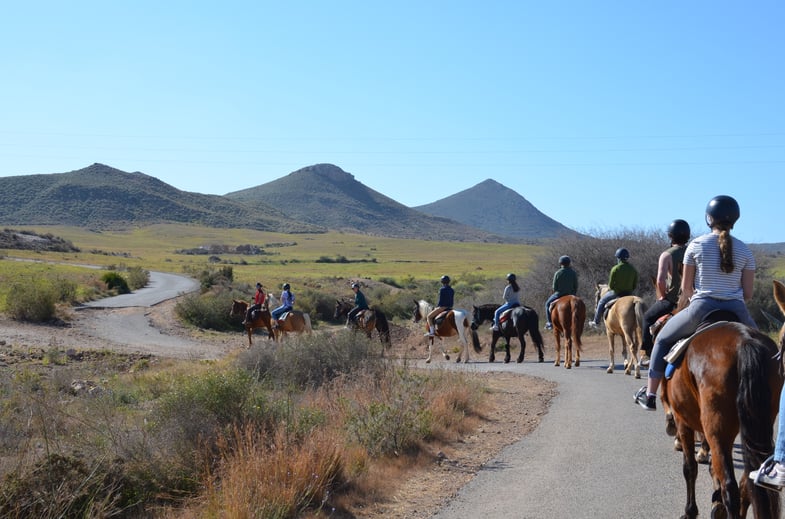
(209, 310)
(318, 305)
(138, 278)
(115, 281)
(33, 300)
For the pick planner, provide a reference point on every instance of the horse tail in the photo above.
(476, 341)
(382, 326)
(640, 309)
(534, 330)
(578, 317)
(307, 321)
(756, 420)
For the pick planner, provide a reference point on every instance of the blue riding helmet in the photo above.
(622, 254)
(445, 279)
(565, 260)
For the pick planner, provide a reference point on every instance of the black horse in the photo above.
(521, 319)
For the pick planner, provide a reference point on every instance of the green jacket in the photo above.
(623, 279)
(359, 301)
(565, 281)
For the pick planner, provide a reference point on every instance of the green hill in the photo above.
(324, 194)
(495, 208)
(100, 196)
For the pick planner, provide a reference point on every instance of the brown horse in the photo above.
(259, 319)
(366, 320)
(624, 318)
(449, 324)
(292, 321)
(568, 315)
(727, 384)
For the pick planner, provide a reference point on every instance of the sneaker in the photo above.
(645, 361)
(548, 326)
(494, 328)
(592, 324)
(771, 474)
(648, 402)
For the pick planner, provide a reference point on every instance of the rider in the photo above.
(445, 303)
(668, 285)
(622, 281)
(359, 304)
(565, 283)
(258, 301)
(287, 303)
(719, 272)
(511, 300)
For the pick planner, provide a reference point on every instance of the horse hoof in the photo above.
(556, 363)
(609, 370)
(677, 445)
(577, 363)
(541, 359)
(446, 357)
(520, 359)
(670, 425)
(702, 456)
(427, 361)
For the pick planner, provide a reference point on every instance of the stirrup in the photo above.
(761, 471)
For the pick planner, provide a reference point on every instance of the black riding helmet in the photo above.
(445, 279)
(622, 254)
(565, 260)
(511, 277)
(679, 232)
(286, 286)
(722, 210)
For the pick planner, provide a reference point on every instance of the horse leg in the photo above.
(492, 354)
(576, 341)
(568, 352)
(429, 341)
(611, 348)
(250, 333)
(557, 336)
(703, 452)
(690, 470)
(506, 350)
(724, 477)
(523, 347)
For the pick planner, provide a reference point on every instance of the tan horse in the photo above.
(449, 324)
(624, 318)
(568, 315)
(260, 319)
(293, 321)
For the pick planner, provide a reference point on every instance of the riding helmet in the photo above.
(355, 285)
(510, 277)
(565, 260)
(622, 254)
(679, 232)
(445, 279)
(258, 285)
(286, 286)
(722, 210)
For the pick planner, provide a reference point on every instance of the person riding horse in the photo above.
(445, 303)
(287, 303)
(258, 302)
(360, 304)
(511, 300)
(623, 280)
(565, 283)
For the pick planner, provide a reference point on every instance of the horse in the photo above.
(514, 323)
(728, 383)
(624, 318)
(259, 319)
(568, 315)
(292, 321)
(366, 320)
(448, 324)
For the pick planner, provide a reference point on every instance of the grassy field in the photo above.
(288, 257)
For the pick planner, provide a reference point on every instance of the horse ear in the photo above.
(415, 302)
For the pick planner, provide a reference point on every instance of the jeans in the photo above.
(779, 443)
(278, 312)
(657, 310)
(553, 297)
(500, 311)
(684, 324)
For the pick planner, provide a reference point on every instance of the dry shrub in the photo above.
(273, 478)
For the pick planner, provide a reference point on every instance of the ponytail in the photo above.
(726, 251)
(515, 287)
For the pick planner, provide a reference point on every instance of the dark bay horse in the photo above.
(366, 320)
(260, 319)
(568, 315)
(454, 322)
(520, 320)
(727, 384)
(624, 318)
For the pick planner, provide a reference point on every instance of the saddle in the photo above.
(439, 319)
(712, 320)
(505, 316)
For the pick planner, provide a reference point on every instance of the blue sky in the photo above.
(605, 115)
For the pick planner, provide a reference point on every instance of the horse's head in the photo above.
(341, 308)
(421, 310)
(602, 288)
(238, 308)
(476, 317)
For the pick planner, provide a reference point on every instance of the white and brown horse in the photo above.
(624, 318)
(448, 324)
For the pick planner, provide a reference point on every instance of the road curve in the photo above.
(596, 454)
(161, 287)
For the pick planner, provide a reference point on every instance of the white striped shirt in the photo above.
(710, 280)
